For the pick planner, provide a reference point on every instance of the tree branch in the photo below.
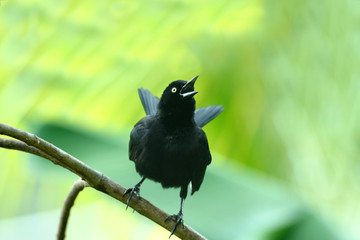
(95, 179)
(76, 188)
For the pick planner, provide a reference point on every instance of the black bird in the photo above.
(168, 145)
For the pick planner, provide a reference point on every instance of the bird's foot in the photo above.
(178, 219)
(133, 190)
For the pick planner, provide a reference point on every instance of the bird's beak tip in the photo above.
(194, 79)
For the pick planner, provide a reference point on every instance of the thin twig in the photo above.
(98, 180)
(21, 146)
(76, 188)
(70, 162)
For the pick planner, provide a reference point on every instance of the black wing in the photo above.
(149, 101)
(203, 159)
(139, 132)
(206, 114)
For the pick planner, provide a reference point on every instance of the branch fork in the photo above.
(30, 143)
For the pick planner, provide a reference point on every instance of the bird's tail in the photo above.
(206, 114)
(148, 101)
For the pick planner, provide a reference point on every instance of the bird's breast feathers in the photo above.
(181, 144)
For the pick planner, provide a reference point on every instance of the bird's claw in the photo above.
(178, 219)
(133, 190)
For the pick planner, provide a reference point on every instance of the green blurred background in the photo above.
(285, 150)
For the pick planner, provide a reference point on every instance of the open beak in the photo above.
(187, 90)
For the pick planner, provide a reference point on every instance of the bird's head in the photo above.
(178, 100)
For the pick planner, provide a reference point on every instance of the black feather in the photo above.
(206, 114)
(149, 101)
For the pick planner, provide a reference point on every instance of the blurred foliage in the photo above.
(286, 72)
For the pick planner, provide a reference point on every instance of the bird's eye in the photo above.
(174, 89)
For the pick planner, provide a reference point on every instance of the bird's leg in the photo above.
(136, 190)
(178, 218)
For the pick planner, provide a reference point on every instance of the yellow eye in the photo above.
(174, 89)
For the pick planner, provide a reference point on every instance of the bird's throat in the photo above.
(176, 115)
(174, 120)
